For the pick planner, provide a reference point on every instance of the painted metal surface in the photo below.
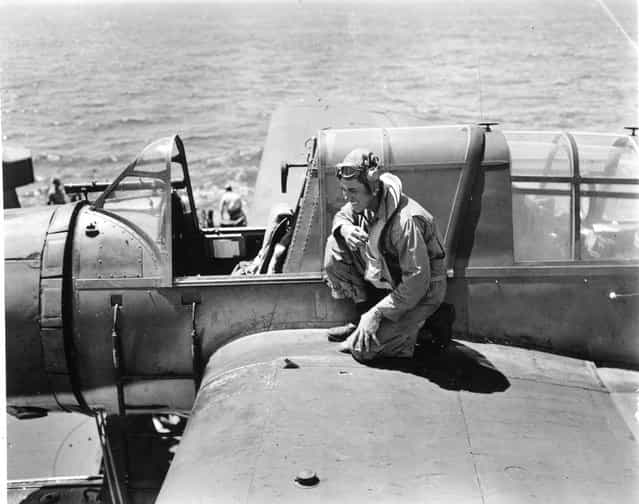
(27, 383)
(485, 424)
(106, 248)
(60, 444)
(155, 330)
(487, 238)
(306, 249)
(574, 315)
(24, 232)
(55, 292)
(17, 170)
(34, 250)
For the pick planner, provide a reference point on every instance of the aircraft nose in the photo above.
(34, 240)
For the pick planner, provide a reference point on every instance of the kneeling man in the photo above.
(386, 254)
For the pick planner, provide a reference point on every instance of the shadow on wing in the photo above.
(459, 367)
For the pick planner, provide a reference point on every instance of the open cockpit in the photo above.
(526, 197)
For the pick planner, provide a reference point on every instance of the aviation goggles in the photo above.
(348, 171)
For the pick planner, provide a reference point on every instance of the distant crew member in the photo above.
(231, 213)
(385, 253)
(56, 196)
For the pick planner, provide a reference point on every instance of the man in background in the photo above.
(231, 213)
(56, 195)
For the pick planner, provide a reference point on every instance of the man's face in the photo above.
(357, 194)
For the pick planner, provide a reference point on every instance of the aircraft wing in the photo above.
(483, 424)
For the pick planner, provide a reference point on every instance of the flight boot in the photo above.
(340, 333)
(437, 332)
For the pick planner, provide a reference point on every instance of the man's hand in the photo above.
(354, 236)
(366, 333)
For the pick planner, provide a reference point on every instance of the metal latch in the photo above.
(196, 344)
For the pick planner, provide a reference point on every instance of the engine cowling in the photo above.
(35, 247)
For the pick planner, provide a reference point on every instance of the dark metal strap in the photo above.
(116, 350)
(196, 349)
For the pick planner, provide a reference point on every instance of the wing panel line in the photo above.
(470, 447)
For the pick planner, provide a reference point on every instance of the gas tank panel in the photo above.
(130, 333)
(107, 247)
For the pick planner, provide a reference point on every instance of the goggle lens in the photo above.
(348, 172)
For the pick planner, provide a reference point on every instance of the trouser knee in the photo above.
(345, 277)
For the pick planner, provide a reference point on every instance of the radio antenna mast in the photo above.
(481, 110)
(619, 26)
(477, 51)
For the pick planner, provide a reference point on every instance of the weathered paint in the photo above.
(27, 383)
(24, 232)
(34, 251)
(155, 329)
(485, 424)
(570, 314)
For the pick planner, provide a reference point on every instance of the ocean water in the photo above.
(85, 87)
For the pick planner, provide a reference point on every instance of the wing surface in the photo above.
(484, 424)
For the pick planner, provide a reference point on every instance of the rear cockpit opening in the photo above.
(575, 196)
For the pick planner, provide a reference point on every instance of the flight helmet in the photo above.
(363, 165)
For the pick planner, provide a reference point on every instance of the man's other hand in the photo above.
(365, 335)
(354, 236)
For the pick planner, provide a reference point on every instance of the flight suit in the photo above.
(404, 257)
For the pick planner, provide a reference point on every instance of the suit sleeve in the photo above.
(414, 263)
(344, 216)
